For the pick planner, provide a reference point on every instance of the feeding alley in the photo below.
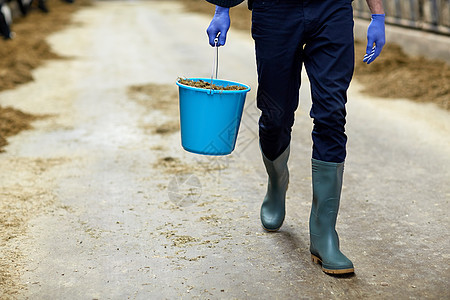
(100, 201)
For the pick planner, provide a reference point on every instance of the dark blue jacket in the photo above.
(230, 3)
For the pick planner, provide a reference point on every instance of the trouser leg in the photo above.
(277, 31)
(329, 62)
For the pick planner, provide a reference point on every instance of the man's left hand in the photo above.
(375, 35)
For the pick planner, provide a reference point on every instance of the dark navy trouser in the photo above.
(319, 34)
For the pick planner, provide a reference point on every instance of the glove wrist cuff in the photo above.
(378, 16)
(222, 10)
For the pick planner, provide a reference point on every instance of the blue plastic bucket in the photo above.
(210, 119)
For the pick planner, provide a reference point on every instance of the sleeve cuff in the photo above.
(225, 3)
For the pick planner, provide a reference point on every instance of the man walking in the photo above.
(319, 35)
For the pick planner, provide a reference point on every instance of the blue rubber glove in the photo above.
(220, 23)
(375, 35)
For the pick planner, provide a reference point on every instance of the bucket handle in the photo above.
(215, 62)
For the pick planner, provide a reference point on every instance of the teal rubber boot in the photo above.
(324, 240)
(273, 206)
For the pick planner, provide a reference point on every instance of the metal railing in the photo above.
(429, 15)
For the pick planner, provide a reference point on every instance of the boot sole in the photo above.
(317, 260)
(270, 230)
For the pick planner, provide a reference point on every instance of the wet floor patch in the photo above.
(167, 128)
(163, 97)
(157, 97)
(174, 165)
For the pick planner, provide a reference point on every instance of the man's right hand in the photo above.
(220, 23)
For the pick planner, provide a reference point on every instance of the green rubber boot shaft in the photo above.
(324, 240)
(273, 206)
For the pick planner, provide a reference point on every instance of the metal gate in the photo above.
(429, 15)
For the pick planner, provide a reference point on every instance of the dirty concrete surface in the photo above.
(122, 212)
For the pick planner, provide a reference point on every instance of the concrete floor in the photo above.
(133, 216)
